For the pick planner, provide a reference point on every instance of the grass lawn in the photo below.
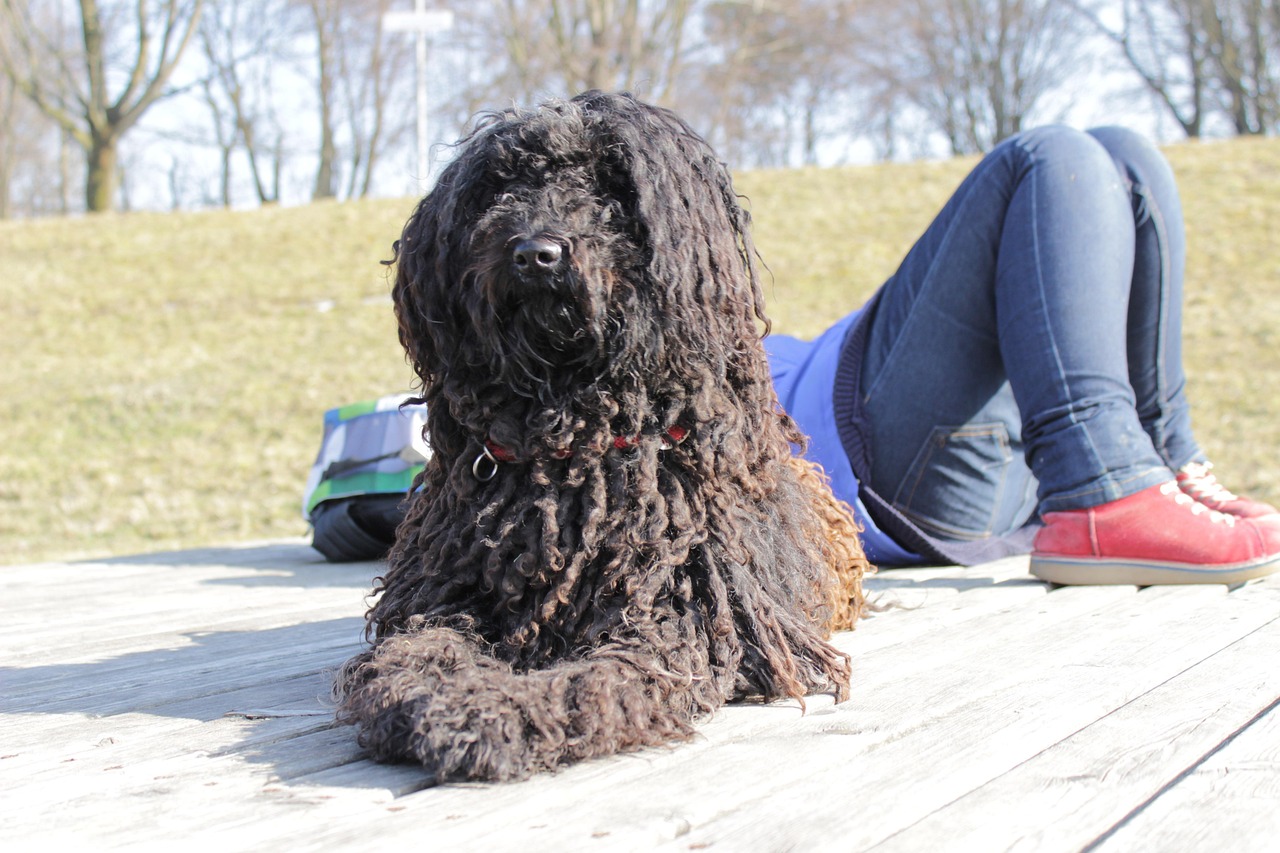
(165, 374)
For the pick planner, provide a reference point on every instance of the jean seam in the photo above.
(1060, 377)
(1160, 438)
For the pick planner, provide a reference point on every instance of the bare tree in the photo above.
(75, 91)
(768, 75)
(8, 144)
(1243, 37)
(36, 157)
(977, 69)
(1161, 40)
(1200, 58)
(241, 42)
(757, 76)
(538, 47)
(326, 23)
(358, 73)
(619, 44)
(371, 70)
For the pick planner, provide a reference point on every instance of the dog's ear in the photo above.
(680, 195)
(413, 260)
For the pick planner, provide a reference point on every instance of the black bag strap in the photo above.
(343, 466)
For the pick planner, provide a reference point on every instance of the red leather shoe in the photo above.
(1194, 479)
(1157, 536)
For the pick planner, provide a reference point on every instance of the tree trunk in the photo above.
(255, 170)
(100, 182)
(8, 108)
(326, 24)
(67, 149)
(224, 184)
(324, 187)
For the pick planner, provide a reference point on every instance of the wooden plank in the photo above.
(162, 799)
(205, 701)
(912, 602)
(964, 687)
(206, 602)
(206, 590)
(115, 657)
(1226, 802)
(739, 725)
(103, 610)
(179, 593)
(987, 574)
(136, 679)
(936, 613)
(900, 761)
(177, 728)
(1060, 798)
(278, 558)
(128, 674)
(699, 782)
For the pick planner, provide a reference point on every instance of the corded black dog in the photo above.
(612, 537)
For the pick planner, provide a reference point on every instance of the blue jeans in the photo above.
(1027, 354)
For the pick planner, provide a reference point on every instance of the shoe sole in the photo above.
(1081, 571)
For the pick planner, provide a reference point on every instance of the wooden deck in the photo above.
(160, 698)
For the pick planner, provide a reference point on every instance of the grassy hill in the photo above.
(164, 375)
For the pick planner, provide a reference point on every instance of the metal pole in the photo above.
(424, 166)
(422, 23)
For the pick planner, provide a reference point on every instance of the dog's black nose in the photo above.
(537, 255)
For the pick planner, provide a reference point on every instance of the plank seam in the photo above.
(1102, 839)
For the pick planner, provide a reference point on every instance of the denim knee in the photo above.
(1058, 142)
(1136, 157)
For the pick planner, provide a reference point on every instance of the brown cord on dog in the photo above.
(583, 273)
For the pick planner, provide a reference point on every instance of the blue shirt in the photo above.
(804, 374)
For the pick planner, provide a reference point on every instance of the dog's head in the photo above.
(573, 258)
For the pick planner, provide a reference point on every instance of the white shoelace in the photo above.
(1182, 498)
(1204, 485)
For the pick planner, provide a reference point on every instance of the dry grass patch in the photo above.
(165, 374)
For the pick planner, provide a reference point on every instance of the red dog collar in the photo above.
(494, 453)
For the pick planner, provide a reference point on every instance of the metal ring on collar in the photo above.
(476, 468)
